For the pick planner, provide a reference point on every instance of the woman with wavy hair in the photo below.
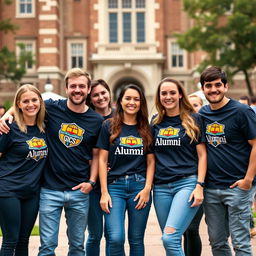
(126, 170)
(180, 163)
(23, 154)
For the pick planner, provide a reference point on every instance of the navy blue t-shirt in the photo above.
(126, 154)
(71, 138)
(175, 156)
(228, 130)
(22, 161)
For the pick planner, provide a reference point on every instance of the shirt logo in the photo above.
(215, 134)
(131, 141)
(215, 129)
(130, 145)
(168, 132)
(37, 149)
(71, 134)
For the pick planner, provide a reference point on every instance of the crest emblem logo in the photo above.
(168, 132)
(38, 148)
(70, 134)
(215, 129)
(131, 141)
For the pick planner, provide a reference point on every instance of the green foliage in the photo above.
(35, 231)
(226, 30)
(11, 66)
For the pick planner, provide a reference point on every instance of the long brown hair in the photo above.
(141, 118)
(186, 109)
(18, 113)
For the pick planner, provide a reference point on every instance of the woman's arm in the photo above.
(198, 193)
(144, 194)
(8, 116)
(105, 201)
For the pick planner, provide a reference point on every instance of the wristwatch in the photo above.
(202, 184)
(93, 183)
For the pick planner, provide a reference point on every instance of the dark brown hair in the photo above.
(211, 74)
(142, 117)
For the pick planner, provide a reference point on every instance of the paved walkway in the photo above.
(153, 243)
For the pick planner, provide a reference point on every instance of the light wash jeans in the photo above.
(228, 212)
(76, 205)
(174, 210)
(123, 191)
(95, 225)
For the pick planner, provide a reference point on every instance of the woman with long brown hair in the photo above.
(125, 144)
(180, 163)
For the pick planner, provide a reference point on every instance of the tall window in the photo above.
(25, 8)
(177, 56)
(77, 58)
(28, 47)
(126, 21)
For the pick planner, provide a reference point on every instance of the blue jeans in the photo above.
(228, 211)
(173, 210)
(123, 191)
(76, 205)
(17, 218)
(95, 225)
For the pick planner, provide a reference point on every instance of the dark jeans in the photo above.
(192, 240)
(17, 218)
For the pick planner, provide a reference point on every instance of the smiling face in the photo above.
(130, 102)
(100, 97)
(214, 91)
(29, 104)
(77, 90)
(169, 98)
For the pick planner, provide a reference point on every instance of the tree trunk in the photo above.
(248, 83)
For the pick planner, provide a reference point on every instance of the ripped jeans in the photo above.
(228, 212)
(173, 210)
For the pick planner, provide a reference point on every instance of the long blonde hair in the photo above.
(186, 109)
(18, 115)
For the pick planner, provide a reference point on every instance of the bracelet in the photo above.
(93, 183)
(202, 184)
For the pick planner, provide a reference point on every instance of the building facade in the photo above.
(120, 41)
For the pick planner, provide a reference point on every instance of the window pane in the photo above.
(127, 27)
(73, 62)
(126, 3)
(77, 59)
(80, 62)
(29, 8)
(177, 55)
(112, 3)
(174, 61)
(113, 27)
(140, 3)
(140, 27)
(22, 8)
(180, 61)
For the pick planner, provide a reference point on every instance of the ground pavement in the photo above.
(153, 242)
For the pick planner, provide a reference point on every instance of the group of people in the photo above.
(54, 151)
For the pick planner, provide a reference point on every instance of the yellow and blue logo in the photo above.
(168, 132)
(36, 143)
(71, 134)
(215, 129)
(131, 141)
(37, 149)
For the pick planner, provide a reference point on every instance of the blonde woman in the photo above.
(23, 154)
(180, 163)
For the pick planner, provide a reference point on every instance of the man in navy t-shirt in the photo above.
(230, 130)
(72, 129)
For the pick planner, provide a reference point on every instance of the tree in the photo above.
(11, 66)
(226, 31)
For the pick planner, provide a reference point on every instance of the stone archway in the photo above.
(122, 83)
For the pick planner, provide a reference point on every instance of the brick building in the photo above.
(121, 41)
